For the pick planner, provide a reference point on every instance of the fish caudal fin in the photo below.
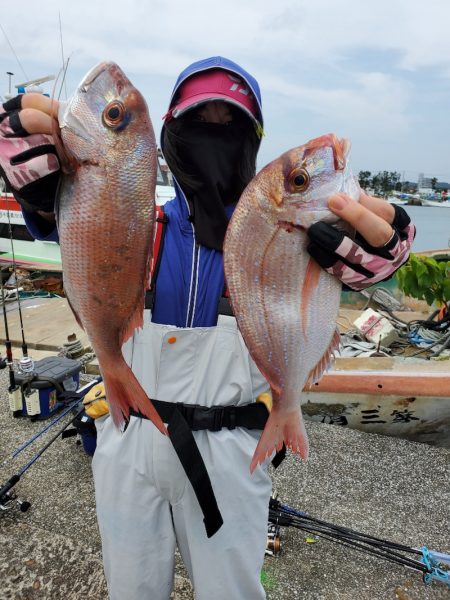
(282, 427)
(123, 391)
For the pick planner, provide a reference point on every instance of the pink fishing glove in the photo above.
(28, 163)
(354, 261)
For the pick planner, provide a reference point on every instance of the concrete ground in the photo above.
(386, 487)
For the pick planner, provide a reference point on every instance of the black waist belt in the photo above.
(182, 420)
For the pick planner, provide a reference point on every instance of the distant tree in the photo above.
(375, 184)
(384, 182)
(409, 187)
(395, 179)
(364, 179)
(433, 183)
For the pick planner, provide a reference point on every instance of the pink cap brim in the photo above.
(192, 102)
(213, 85)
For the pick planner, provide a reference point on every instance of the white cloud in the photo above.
(373, 96)
(354, 66)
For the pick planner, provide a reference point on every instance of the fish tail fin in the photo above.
(123, 391)
(281, 427)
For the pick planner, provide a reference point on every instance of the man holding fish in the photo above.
(192, 489)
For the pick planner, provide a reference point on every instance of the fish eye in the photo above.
(299, 179)
(114, 114)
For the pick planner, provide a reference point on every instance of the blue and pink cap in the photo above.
(214, 84)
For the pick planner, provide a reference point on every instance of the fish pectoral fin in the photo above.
(310, 282)
(135, 322)
(324, 363)
(75, 314)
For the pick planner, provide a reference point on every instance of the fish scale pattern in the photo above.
(105, 224)
(286, 305)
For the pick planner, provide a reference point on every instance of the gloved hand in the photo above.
(266, 399)
(361, 262)
(94, 402)
(28, 163)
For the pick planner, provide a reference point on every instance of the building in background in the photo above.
(424, 184)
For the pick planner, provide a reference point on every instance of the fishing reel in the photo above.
(9, 498)
(273, 545)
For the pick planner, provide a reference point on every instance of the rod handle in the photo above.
(440, 557)
(8, 485)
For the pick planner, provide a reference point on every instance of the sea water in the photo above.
(433, 233)
(433, 227)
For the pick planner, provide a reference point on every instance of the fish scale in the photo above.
(105, 218)
(286, 306)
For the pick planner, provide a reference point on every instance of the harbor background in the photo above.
(382, 486)
(433, 227)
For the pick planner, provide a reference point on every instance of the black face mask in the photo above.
(209, 154)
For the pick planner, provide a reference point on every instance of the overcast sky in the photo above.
(377, 72)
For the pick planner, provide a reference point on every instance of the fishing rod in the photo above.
(14, 392)
(428, 563)
(26, 364)
(78, 395)
(24, 344)
(7, 493)
(5, 490)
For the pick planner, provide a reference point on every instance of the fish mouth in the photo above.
(95, 73)
(340, 148)
(304, 212)
(121, 81)
(70, 119)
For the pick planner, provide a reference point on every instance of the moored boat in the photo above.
(39, 255)
(401, 397)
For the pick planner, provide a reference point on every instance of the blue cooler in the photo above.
(40, 389)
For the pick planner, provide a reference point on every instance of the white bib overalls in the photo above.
(146, 505)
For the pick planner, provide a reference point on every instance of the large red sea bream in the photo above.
(286, 305)
(105, 219)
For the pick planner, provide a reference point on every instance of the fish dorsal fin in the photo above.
(325, 362)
